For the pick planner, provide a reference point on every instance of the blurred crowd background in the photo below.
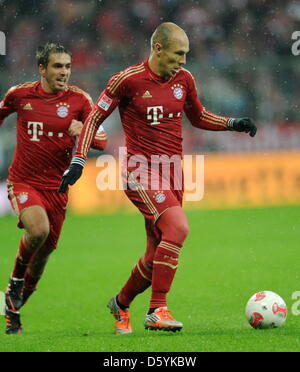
(240, 55)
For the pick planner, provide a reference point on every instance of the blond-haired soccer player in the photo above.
(151, 97)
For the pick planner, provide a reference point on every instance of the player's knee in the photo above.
(176, 232)
(183, 230)
(173, 225)
(38, 234)
(179, 232)
(36, 223)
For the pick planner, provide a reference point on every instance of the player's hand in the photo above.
(75, 128)
(242, 125)
(72, 174)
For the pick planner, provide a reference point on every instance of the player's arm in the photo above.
(104, 106)
(8, 104)
(201, 118)
(99, 141)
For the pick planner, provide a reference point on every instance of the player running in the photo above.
(50, 115)
(151, 97)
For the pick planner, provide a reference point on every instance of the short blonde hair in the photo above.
(163, 34)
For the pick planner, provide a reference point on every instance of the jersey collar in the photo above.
(155, 76)
(39, 90)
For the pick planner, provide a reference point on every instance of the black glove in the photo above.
(72, 174)
(242, 125)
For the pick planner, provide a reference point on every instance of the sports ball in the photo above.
(266, 309)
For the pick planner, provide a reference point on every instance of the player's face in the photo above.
(57, 73)
(173, 57)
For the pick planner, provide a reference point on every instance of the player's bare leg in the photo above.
(36, 224)
(174, 229)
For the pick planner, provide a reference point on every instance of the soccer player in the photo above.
(151, 97)
(50, 116)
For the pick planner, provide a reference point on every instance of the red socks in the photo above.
(165, 264)
(138, 282)
(30, 266)
(164, 268)
(158, 266)
(22, 260)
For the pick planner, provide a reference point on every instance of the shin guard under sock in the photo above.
(22, 260)
(165, 264)
(138, 282)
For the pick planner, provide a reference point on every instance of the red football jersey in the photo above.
(151, 111)
(44, 146)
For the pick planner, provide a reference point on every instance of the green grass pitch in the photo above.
(228, 256)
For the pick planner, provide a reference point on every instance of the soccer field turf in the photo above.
(228, 256)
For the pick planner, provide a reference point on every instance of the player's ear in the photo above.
(157, 49)
(42, 70)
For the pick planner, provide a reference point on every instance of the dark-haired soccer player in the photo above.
(151, 97)
(50, 117)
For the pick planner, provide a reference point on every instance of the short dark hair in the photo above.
(43, 52)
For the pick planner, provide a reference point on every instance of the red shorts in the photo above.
(22, 196)
(151, 201)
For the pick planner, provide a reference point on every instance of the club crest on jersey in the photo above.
(62, 109)
(23, 197)
(159, 197)
(177, 91)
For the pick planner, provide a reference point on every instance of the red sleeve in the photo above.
(104, 106)
(99, 141)
(87, 107)
(8, 105)
(197, 114)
